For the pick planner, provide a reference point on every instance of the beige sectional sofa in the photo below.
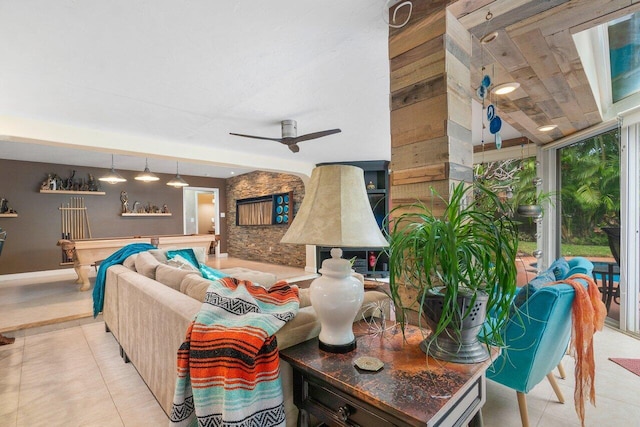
(149, 304)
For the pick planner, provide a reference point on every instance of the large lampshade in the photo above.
(336, 212)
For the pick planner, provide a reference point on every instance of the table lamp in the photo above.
(336, 212)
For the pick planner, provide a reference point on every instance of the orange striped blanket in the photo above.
(228, 366)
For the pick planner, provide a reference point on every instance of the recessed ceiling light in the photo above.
(489, 38)
(547, 128)
(505, 88)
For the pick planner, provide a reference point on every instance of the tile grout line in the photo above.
(24, 345)
(84, 335)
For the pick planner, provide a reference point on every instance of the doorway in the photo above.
(202, 212)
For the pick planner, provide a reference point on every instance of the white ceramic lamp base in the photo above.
(336, 296)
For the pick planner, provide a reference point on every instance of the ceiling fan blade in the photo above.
(315, 135)
(257, 137)
(294, 148)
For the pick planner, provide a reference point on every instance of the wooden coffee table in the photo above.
(410, 390)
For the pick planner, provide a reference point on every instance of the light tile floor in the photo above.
(75, 377)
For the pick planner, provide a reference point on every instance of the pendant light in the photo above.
(177, 181)
(112, 177)
(147, 175)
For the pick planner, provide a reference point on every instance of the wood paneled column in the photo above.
(430, 103)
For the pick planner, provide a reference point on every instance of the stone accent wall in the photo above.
(262, 242)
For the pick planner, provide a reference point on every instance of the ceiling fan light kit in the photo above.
(505, 88)
(290, 138)
(547, 128)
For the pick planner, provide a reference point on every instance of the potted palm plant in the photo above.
(451, 269)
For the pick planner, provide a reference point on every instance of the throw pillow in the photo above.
(172, 276)
(187, 253)
(560, 268)
(530, 288)
(195, 287)
(159, 254)
(130, 262)
(180, 262)
(146, 265)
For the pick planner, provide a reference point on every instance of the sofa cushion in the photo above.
(265, 280)
(130, 262)
(173, 276)
(305, 299)
(194, 286)
(146, 264)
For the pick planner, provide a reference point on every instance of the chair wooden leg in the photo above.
(556, 388)
(522, 405)
(561, 371)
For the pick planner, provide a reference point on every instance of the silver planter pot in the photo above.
(532, 211)
(459, 342)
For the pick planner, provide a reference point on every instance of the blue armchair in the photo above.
(537, 338)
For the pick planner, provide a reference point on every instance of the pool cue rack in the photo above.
(74, 223)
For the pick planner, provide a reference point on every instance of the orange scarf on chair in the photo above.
(588, 313)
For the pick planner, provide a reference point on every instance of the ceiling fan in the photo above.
(290, 136)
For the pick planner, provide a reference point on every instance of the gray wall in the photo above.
(32, 236)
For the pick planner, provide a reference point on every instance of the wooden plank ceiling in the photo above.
(535, 48)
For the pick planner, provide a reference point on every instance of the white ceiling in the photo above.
(170, 79)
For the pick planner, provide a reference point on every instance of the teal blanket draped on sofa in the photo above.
(117, 257)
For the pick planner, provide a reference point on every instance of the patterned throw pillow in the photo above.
(187, 254)
(530, 288)
(560, 268)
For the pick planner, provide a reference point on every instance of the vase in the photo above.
(459, 342)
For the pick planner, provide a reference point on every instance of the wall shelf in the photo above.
(9, 215)
(137, 215)
(92, 193)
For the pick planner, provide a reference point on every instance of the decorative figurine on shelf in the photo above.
(67, 184)
(372, 260)
(165, 209)
(371, 186)
(124, 199)
(49, 183)
(93, 184)
(137, 207)
(4, 207)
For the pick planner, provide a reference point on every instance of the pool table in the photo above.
(87, 252)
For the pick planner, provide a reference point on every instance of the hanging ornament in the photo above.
(486, 81)
(498, 141)
(491, 112)
(481, 92)
(495, 125)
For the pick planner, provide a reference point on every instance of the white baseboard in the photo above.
(41, 276)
